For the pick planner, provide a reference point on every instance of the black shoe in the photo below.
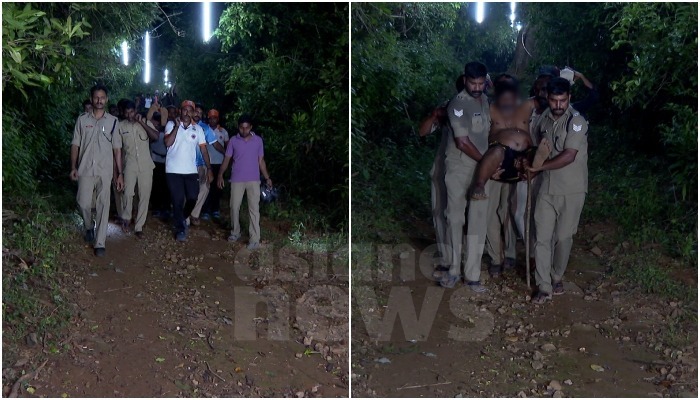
(100, 251)
(90, 235)
(495, 270)
(139, 234)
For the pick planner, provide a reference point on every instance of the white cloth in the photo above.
(215, 157)
(182, 155)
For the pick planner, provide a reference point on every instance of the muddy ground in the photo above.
(602, 338)
(205, 318)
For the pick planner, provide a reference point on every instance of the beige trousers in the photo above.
(203, 191)
(252, 191)
(96, 187)
(144, 180)
(556, 219)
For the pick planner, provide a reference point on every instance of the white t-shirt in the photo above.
(182, 155)
(215, 157)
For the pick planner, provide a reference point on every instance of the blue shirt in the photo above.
(210, 138)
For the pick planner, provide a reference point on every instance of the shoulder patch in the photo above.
(458, 113)
(578, 124)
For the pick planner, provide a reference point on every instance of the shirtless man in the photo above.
(509, 140)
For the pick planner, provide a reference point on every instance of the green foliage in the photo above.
(640, 196)
(34, 47)
(35, 235)
(288, 69)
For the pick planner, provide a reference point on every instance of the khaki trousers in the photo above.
(459, 173)
(252, 190)
(144, 180)
(556, 219)
(438, 199)
(118, 199)
(203, 191)
(96, 187)
(500, 231)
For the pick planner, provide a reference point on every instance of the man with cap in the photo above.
(216, 153)
(183, 137)
(95, 154)
(564, 184)
(469, 118)
(201, 166)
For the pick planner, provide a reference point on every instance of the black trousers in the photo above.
(160, 194)
(213, 201)
(184, 189)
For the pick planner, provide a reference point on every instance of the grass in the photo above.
(34, 237)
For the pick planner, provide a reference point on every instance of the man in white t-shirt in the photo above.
(182, 138)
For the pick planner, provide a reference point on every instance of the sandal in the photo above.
(558, 288)
(541, 297)
(476, 286)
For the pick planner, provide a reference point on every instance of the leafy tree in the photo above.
(288, 68)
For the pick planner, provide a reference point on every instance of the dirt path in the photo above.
(160, 318)
(600, 339)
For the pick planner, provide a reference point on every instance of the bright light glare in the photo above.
(518, 27)
(125, 53)
(147, 48)
(512, 7)
(479, 11)
(206, 20)
(166, 75)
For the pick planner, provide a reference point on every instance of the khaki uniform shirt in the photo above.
(96, 139)
(468, 117)
(570, 131)
(136, 150)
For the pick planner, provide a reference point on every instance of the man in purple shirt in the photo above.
(246, 150)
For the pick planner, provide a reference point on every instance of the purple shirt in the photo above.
(246, 155)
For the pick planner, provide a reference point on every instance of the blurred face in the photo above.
(507, 103)
(87, 108)
(214, 121)
(130, 114)
(113, 110)
(475, 86)
(197, 116)
(172, 114)
(244, 129)
(99, 99)
(558, 103)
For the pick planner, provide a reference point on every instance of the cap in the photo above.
(188, 103)
(213, 113)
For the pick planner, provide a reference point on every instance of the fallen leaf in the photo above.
(160, 359)
(597, 368)
(64, 395)
(31, 390)
(220, 279)
(238, 370)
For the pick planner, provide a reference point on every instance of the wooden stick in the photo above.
(528, 206)
(214, 373)
(114, 290)
(421, 386)
(15, 388)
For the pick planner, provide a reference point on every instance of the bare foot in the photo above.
(479, 193)
(543, 151)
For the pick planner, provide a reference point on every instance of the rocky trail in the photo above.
(205, 318)
(602, 338)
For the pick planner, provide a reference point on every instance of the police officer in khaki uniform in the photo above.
(136, 134)
(469, 119)
(564, 183)
(95, 147)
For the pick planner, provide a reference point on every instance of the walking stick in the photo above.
(528, 205)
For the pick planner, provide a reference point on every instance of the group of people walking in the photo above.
(492, 144)
(170, 152)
